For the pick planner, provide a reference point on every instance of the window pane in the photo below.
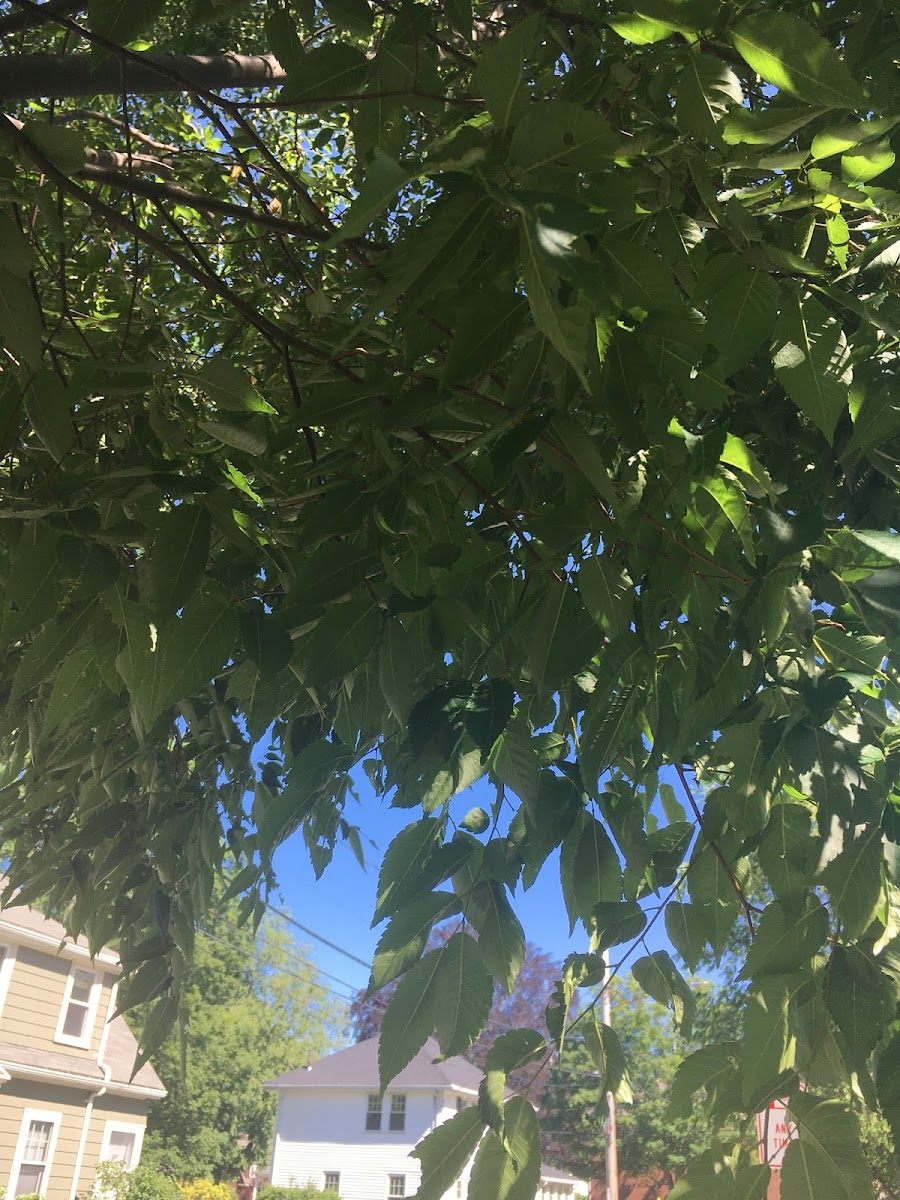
(332, 1180)
(81, 986)
(37, 1144)
(31, 1176)
(76, 1017)
(121, 1147)
(396, 1186)
(373, 1114)
(398, 1112)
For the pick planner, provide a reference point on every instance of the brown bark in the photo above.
(54, 76)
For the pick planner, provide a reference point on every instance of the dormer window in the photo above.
(373, 1113)
(79, 1008)
(398, 1113)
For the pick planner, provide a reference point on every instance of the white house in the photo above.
(333, 1130)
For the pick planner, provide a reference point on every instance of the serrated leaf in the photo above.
(463, 995)
(75, 685)
(354, 15)
(48, 405)
(613, 923)
(740, 316)
(445, 1151)
(658, 976)
(787, 850)
(178, 558)
(566, 326)
(403, 865)
(562, 638)
(857, 997)
(341, 640)
(230, 387)
(854, 880)
(769, 1047)
(509, 1169)
(20, 320)
(323, 77)
(500, 73)
(609, 721)
(644, 279)
(791, 56)
(712, 1067)
(405, 938)
(685, 927)
(812, 361)
(826, 1160)
(596, 871)
(501, 938)
(787, 937)
(706, 89)
(409, 1018)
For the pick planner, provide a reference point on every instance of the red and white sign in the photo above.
(775, 1132)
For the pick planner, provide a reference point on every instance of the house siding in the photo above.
(37, 988)
(324, 1130)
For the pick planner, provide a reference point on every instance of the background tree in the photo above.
(467, 393)
(251, 1010)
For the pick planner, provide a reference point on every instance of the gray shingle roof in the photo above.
(357, 1067)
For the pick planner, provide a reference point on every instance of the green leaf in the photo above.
(565, 135)
(509, 1169)
(658, 976)
(766, 126)
(162, 666)
(857, 997)
(644, 279)
(355, 15)
(500, 73)
(605, 1049)
(707, 88)
(48, 405)
(47, 650)
(769, 1047)
(608, 723)
(888, 1084)
(787, 850)
(230, 387)
(63, 146)
(787, 937)
(597, 874)
(562, 637)
(854, 879)
(238, 436)
(826, 1160)
(404, 939)
(740, 316)
(311, 774)
(613, 923)
(178, 558)
(409, 1018)
(76, 684)
(445, 1151)
(607, 592)
(867, 162)
(501, 938)
(685, 927)
(839, 138)
(812, 361)
(643, 31)
(403, 865)
(882, 541)
(122, 21)
(485, 329)
(463, 993)
(566, 326)
(712, 1067)
(323, 77)
(342, 640)
(20, 320)
(791, 56)
(329, 573)
(383, 179)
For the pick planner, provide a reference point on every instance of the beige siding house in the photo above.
(67, 1098)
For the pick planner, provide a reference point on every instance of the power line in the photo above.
(319, 938)
(292, 955)
(282, 970)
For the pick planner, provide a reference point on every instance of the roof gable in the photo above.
(357, 1067)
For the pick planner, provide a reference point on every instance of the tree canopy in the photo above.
(252, 1008)
(468, 390)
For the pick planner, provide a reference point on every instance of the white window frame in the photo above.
(395, 1175)
(6, 970)
(397, 1109)
(29, 1115)
(337, 1175)
(83, 1042)
(371, 1112)
(115, 1126)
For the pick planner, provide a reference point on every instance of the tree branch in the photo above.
(55, 76)
(201, 203)
(90, 114)
(16, 22)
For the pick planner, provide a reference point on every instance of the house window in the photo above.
(398, 1113)
(332, 1181)
(459, 1189)
(76, 1021)
(396, 1187)
(122, 1143)
(373, 1113)
(34, 1153)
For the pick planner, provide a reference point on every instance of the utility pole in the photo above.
(612, 1151)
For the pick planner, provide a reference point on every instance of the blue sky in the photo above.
(339, 906)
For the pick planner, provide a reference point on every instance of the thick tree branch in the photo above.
(55, 76)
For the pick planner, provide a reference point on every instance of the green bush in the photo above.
(143, 1183)
(308, 1192)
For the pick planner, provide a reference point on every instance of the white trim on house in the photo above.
(28, 1116)
(83, 1041)
(20, 1071)
(42, 941)
(129, 1127)
(6, 969)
